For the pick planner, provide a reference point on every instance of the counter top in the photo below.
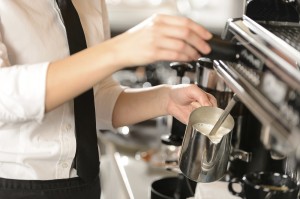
(124, 177)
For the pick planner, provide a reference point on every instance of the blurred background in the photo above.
(212, 14)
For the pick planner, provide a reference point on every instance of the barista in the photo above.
(39, 79)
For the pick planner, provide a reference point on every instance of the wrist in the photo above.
(119, 54)
(164, 96)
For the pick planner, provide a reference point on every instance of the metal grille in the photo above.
(289, 34)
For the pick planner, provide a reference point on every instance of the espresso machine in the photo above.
(265, 76)
(262, 69)
(257, 58)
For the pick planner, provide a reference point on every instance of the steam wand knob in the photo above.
(181, 68)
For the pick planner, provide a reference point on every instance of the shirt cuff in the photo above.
(106, 95)
(22, 97)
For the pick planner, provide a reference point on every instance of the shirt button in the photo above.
(68, 127)
(64, 165)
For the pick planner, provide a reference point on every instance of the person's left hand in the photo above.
(184, 98)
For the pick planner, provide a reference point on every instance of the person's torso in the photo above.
(33, 32)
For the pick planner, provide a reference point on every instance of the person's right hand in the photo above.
(160, 38)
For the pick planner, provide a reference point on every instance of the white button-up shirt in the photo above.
(35, 145)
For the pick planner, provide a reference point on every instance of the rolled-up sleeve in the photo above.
(22, 92)
(106, 95)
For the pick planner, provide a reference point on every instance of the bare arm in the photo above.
(159, 38)
(72, 76)
(136, 105)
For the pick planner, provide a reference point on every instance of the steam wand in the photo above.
(224, 115)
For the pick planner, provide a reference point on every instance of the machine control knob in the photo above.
(181, 68)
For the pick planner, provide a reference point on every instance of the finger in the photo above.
(184, 34)
(188, 37)
(205, 99)
(195, 104)
(212, 99)
(183, 21)
(170, 55)
(179, 46)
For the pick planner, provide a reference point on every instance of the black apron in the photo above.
(73, 188)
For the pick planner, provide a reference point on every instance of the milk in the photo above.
(205, 129)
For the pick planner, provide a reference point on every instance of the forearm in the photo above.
(136, 105)
(160, 38)
(71, 76)
(178, 100)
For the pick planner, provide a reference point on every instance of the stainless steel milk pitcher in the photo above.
(204, 158)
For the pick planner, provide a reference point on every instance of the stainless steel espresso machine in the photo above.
(259, 63)
(262, 69)
(266, 78)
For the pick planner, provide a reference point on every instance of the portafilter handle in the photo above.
(222, 49)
